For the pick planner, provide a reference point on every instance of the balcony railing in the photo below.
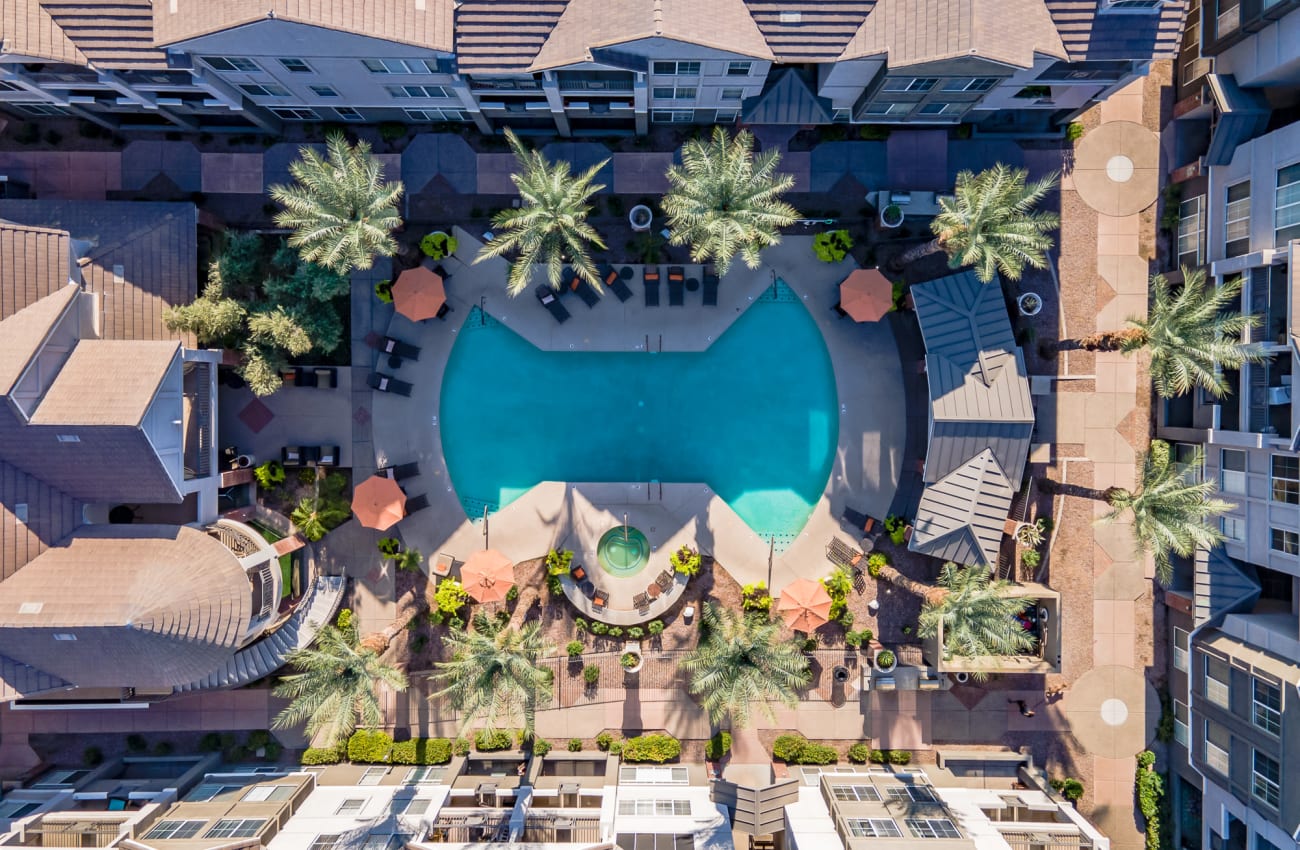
(596, 85)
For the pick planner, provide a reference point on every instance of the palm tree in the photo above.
(740, 662)
(1189, 334)
(1171, 509)
(725, 201)
(551, 226)
(334, 684)
(340, 209)
(978, 618)
(493, 673)
(990, 223)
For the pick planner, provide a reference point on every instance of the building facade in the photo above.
(576, 67)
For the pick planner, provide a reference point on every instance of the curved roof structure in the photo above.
(144, 606)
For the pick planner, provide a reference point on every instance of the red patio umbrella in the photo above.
(805, 605)
(418, 293)
(866, 295)
(487, 576)
(378, 502)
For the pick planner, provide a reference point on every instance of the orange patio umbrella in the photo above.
(487, 576)
(804, 605)
(418, 293)
(378, 502)
(866, 295)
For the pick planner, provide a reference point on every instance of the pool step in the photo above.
(479, 318)
(474, 507)
(779, 293)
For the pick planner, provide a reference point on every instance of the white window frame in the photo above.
(672, 116)
(1264, 788)
(1262, 715)
(1215, 756)
(323, 91)
(653, 775)
(909, 84)
(944, 108)
(1290, 541)
(726, 116)
(1291, 208)
(267, 90)
(1216, 691)
(264, 793)
(683, 68)
(979, 84)
(348, 113)
(873, 827)
(351, 806)
(235, 828)
(655, 807)
(325, 841)
(417, 92)
(170, 827)
(731, 95)
(390, 65)
(289, 63)
(739, 69)
(1232, 481)
(1233, 528)
(855, 793)
(424, 775)
(678, 92)
(1190, 241)
(1289, 487)
(373, 775)
(932, 828)
(296, 113)
(891, 108)
(1182, 653)
(434, 114)
(1236, 219)
(1182, 729)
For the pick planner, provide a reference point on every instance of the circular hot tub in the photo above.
(623, 551)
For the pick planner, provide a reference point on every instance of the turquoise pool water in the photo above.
(623, 551)
(754, 416)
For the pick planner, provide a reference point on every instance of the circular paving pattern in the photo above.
(1113, 711)
(1117, 168)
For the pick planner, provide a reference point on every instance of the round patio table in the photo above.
(625, 272)
(692, 284)
(587, 588)
(654, 590)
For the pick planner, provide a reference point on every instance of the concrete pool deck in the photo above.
(864, 474)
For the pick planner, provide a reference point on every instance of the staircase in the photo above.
(267, 655)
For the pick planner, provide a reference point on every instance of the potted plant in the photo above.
(384, 291)
(1030, 303)
(640, 218)
(891, 216)
(631, 661)
(885, 661)
(832, 246)
(438, 244)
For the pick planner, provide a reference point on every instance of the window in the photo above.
(739, 69)
(1232, 471)
(40, 110)
(347, 113)
(726, 116)
(1286, 542)
(1233, 528)
(910, 83)
(1182, 733)
(675, 92)
(324, 842)
(1287, 226)
(372, 776)
(652, 808)
(1266, 780)
(1181, 642)
(296, 113)
(911, 793)
(652, 776)
(932, 828)
(976, 84)
(1189, 231)
(1215, 755)
(1236, 225)
(873, 828)
(435, 114)
(888, 108)
(231, 63)
(678, 69)
(860, 793)
(416, 91)
(1229, 18)
(296, 66)
(404, 66)
(264, 90)
(16, 808)
(733, 94)
(1218, 679)
(673, 116)
(416, 806)
(60, 778)
(64, 636)
(208, 791)
(235, 828)
(1286, 479)
(1262, 843)
(268, 792)
(1267, 707)
(424, 776)
(323, 91)
(351, 806)
(176, 829)
(939, 108)
(68, 438)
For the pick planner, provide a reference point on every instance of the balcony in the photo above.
(1270, 396)
(197, 415)
(594, 81)
(562, 827)
(469, 828)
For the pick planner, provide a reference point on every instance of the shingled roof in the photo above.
(80, 395)
(144, 606)
(913, 32)
(33, 517)
(809, 30)
(1089, 33)
(34, 261)
(503, 36)
(26, 29)
(109, 33)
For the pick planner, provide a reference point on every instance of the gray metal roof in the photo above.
(953, 443)
(962, 515)
(965, 321)
(787, 101)
(1222, 585)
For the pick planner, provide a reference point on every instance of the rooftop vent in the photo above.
(31, 607)
(791, 17)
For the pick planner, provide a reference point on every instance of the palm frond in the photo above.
(992, 224)
(493, 675)
(977, 615)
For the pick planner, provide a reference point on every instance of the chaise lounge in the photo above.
(710, 287)
(614, 283)
(388, 384)
(652, 286)
(546, 295)
(676, 286)
(573, 283)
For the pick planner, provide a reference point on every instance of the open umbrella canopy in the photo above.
(805, 605)
(866, 295)
(378, 502)
(487, 576)
(418, 293)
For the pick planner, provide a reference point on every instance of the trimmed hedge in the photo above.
(718, 746)
(488, 741)
(653, 748)
(859, 753)
(369, 746)
(321, 755)
(422, 751)
(796, 749)
(372, 747)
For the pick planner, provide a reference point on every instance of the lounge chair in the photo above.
(578, 573)
(641, 600)
(311, 455)
(442, 564)
(843, 555)
(402, 471)
(599, 599)
(304, 377)
(443, 311)
(291, 455)
(417, 503)
(652, 286)
(329, 456)
(665, 579)
(710, 288)
(614, 283)
(573, 283)
(397, 348)
(859, 522)
(676, 286)
(388, 384)
(546, 296)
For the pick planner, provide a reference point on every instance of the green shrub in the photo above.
(541, 746)
(369, 746)
(788, 748)
(460, 747)
(421, 751)
(599, 628)
(652, 748)
(853, 640)
(580, 625)
(1071, 789)
(754, 597)
(574, 648)
(136, 743)
(344, 619)
(1073, 131)
(92, 756)
(838, 584)
(591, 674)
(1150, 789)
(846, 618)
(1031, 558)
(392, 131)
(885, 659)
(575, 745)
(629, 660)
(603, 740)
(616, 748)
(438, 245)
(859, 753)
(832, 246)
(900, 756)
(258, 738)
(558, 561)
(878, 756)
(818, 754)
(718, 746)
(450, 596)
(320, 755)
(896, 527)
(491, 740)
(269, 474)
(384, 291)
(389, 547)
(211, 742)
(875, 561)
(874, 132)
(686, 561)
(655, 627)
(635, 632)
(513, 593)
(615, 631)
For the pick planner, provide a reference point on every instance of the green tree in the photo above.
(340, 209)
(978, 618)
(1189, 333)
(211, 317)
(493, 674)
(743, 661)
(334, 684)
(991, 223)
(550, 227)
(725, 201)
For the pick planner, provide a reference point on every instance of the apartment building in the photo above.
(577, 67)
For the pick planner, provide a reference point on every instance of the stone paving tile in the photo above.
(918, 160)
(799, 164)
(581, 156)
(494, 170)
(232, 173)
(641, 172)
(142, 161)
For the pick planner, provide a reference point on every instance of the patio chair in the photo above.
(310, 455)
(641, 600)
(442, 564)
(577, 573)
(417, 503)
(388, 384)
(843, 555)
(397, 348)
(583, 289)
(676, 286)
(599, 599)
(665, 579)
(859, 522)
(327, 377)
(403, 471)
(329, 456)
(291, 455)
(652, 286)
(546, 296)
(614, 283)
(710, 288)
(444, 310)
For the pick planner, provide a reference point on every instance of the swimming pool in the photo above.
(753, 417)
